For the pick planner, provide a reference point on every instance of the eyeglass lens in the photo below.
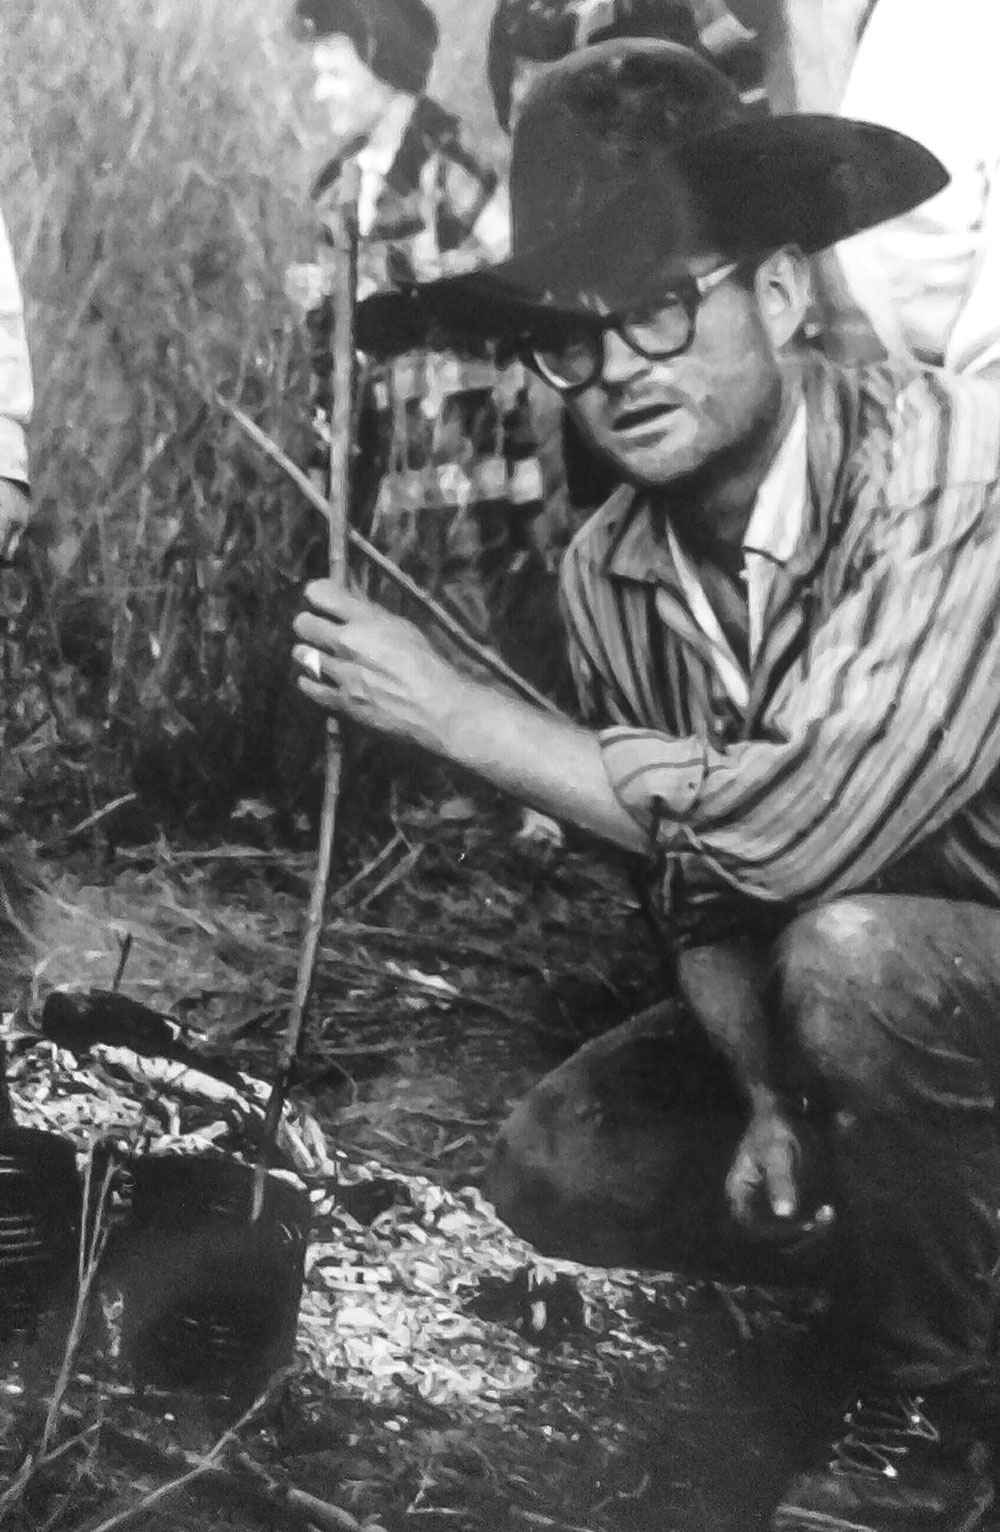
(658, 332)
(573, 361)
(661, 331)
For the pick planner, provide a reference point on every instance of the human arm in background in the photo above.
(16, 400)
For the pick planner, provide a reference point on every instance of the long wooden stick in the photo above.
(341, 442)
(488, 658)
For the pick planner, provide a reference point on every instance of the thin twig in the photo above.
(377, 861)
(96, 818)
(124, 952)
(87, 1438)
(89, 1259)
(155, 850)
(535, 1519)
(736, 1314)
(341, 444)
(448, 624)
(395, 875)
(245, 1482)
(457, 949)
(198, 1466)
(93, 1238)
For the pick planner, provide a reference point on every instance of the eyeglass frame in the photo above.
(691, 290)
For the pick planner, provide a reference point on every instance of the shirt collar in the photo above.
(377, 156)
(777, 519)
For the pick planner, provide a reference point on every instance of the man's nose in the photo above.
(622, 362)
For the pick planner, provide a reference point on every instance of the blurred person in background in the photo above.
(18, 874)
(16, 399)
(447, 475)
(527, 36)
(925, 286)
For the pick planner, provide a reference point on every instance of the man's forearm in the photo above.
(723, 987)
(542, 760)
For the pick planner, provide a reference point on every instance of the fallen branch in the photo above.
(154, 851)
(446, 948)
(378, 860)
(448, 624)
(194, 1468)
(536, 1519)
(96, 818)
(396, 874)
(247, 1484)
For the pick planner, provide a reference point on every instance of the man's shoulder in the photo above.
(909, 430)
(437, 127)
(590, 547)
(947, 432)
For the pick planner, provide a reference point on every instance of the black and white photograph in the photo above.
(500, 766)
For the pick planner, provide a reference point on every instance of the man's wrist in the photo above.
(764, 1100)
(468, 713)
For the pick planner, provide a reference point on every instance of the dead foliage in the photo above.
(445, 1377)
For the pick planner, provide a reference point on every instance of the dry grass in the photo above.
(154, 163)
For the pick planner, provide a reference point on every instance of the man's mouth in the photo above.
(643, 415)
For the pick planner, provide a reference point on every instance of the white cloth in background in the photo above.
(929, 282)
(16, 393)
(821, 39)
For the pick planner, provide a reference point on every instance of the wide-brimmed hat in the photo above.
(632, 157)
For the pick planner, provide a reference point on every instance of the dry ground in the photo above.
(455, 969)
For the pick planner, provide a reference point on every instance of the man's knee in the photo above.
(607, 1156)
(842, 980)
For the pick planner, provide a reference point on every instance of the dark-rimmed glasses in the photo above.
(658, 330)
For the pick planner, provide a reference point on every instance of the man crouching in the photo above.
(785, 635)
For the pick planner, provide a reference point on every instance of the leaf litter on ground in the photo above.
(482, 1422)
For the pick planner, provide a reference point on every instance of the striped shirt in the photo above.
(867, 755)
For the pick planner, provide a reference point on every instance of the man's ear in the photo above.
(784, 292)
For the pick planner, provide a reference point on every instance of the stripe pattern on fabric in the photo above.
(869, 753)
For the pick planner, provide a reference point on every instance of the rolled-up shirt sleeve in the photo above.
(16, 392)
(887, 725)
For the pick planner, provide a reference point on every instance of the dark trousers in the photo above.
(886, 1010)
